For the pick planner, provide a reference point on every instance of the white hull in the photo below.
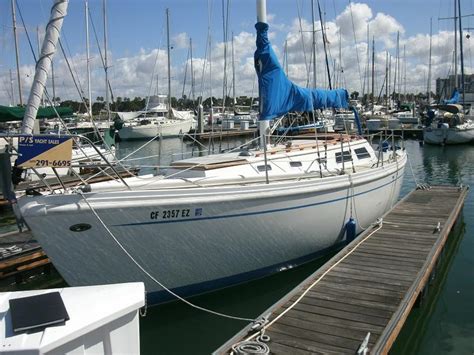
(169, 128)
(226, 234)
(443, 136)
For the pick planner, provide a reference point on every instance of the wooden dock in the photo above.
(20, 254)
(221, 134)
(370, 286)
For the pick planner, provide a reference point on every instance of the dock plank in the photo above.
(369, 286)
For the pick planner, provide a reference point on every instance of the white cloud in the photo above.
(132, 75)
(181, 40)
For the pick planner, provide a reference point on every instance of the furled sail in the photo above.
(278, 95)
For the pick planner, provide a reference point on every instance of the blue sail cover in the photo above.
(454, 98)
(278, 95)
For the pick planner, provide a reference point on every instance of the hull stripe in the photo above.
(259, 212)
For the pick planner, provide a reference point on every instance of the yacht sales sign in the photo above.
(50, 151)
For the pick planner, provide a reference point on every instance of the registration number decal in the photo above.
(171, 214)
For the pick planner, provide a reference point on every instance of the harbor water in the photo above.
(442, 324)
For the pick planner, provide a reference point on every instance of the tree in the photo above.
(354, 95)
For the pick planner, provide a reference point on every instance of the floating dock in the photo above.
(370, 286)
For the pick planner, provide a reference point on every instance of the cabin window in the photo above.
(296, 164)
(344, 156)
(362, 153)
(262, 167)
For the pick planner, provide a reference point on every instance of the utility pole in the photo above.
(17, 53)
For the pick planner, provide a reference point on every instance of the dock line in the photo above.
(378, 223)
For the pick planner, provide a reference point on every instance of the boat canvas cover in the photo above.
(278, 95)
(454, 98)
(16, 113)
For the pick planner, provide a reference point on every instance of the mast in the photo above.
(11, 88)
(399, 67)
(396, 72)
(373, 74)
(264, 125)
(366, 78)
(224, 80)
(106, 64)
(233, 73)
(386, 80)
(53, 28)
(389, 79)
(429, 65)
(314, 45)
(17, 53)
(52, 82)
(89, 92)
(404, 72)
(192, 71)
(456, 84)
(286, 57)
(324, 43)
(461, 50)
(39, 51)
(169, 60)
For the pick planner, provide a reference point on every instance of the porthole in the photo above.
(80, 227)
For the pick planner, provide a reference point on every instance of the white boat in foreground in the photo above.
(215, 221)
(449, 126)
(102, 320)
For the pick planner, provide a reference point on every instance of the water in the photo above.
(443, 324)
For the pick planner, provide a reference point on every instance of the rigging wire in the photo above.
(355, 44)
(302, 42)
(100, 53)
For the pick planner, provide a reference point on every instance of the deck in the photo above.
(368, 287)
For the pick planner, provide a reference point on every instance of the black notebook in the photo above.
(37, 311)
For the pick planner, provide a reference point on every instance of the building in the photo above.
(446, 86)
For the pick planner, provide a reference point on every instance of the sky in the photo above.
(137, 44)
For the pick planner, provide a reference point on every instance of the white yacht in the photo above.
(155, 121)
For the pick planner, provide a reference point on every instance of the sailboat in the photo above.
(447, 124)
(158, 119)
(218, 220)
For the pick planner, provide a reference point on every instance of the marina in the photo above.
(293, 187)
(359, 300)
